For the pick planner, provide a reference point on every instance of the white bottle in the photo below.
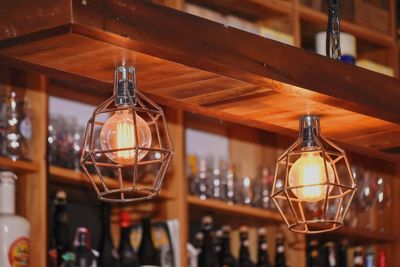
(14, 230)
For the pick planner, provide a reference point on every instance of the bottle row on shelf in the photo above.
(15, 126)
(340, 254)
(213, 248)
(147, 244)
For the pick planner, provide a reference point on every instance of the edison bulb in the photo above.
(309, 169)
(118, 132)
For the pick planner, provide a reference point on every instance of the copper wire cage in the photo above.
(338, 184)
(140, 178)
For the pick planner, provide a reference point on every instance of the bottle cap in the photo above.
(82, 237)
(279, 235)
(61, 194)
(218, 233)
(199, 236)
(314, 242)
(226, 228)
(8, 177)
(262, 231)
(244, 229)
(125, 219)
(207, 220)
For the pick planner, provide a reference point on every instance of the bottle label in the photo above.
(246, 243)
(358, 260)
(26, 128)
(280, 249)
(264, 246)
(18, 254)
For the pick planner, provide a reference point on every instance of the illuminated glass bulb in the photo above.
(309, 169)
(119, 132)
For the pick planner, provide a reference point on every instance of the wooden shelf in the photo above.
(234, 212)
(63, 175)
(253, 9)
(255, 216)
(19, 166)
(362, 33)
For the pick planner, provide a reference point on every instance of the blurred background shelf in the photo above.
(63, 175)
(232, 213)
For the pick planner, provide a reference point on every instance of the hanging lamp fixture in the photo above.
(127, 148)
(318, 185)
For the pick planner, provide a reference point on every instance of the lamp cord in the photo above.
(333, 30)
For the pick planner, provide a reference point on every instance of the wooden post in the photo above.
(177, 184)
(36, 184)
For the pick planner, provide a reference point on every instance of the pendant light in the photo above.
(313, 184)
(127, 148)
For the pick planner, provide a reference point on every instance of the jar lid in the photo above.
(7, 177)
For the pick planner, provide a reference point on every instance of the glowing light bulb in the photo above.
(118, 132)
(308, 170)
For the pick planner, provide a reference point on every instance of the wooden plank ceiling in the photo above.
(86, 56)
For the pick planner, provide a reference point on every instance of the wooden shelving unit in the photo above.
(223, 73)
(19, 166)
(60, 174)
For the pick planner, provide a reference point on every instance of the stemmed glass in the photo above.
(383, 199)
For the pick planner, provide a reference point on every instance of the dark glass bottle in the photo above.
(330, 258)
(280, 258)
(244, 254)
(61, 234)
(342, 254)
(225, 256)
(198, 240)
(127, 256)
(262, 251)
(312, 254)
(84, 257)
(108, 254)
(207, 256)
(358, 260)
(147, 253)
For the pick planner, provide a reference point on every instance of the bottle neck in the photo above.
(7, 197)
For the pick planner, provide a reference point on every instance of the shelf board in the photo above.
(59, 174)
(235, 212)
(19, 166)
(362, 33)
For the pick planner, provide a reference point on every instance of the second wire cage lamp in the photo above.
(313, 185)
(127, 148)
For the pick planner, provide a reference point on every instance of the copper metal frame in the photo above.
(126, 186)
(320, 216)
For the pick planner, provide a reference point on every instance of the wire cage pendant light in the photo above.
(127, 147)
(313, 184)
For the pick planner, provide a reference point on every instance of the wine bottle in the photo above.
(262, 257)
(280, 258)
(207, 256)
(225, 256)
(84, 257)
(381, 259)
(198, 240)
(313, 253)
(61, 232)
(244, 253)
(14, 230)
(127, 256)
(358, 260)
(148, 254)
(370, 258)
(108, 254)
(218, 243)
(342, 254)
(330, 260)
